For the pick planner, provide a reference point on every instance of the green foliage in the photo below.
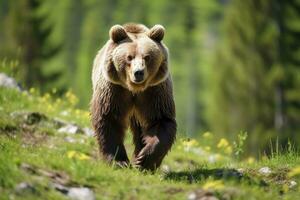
(239, 145)
(250, 76)
(25, 43)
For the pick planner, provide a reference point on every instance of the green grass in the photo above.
(33, 151)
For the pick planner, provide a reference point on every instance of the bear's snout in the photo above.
(138, 70)
(139, 75)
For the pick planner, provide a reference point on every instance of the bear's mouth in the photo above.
(136, 86)
(138, 82)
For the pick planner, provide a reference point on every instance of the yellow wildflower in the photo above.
(71, 154)
(32, 90)
(50, 107)
(86, 114)
(207, 148)
(24, 94)
(218, 184)
(250, 160)
(78, 155)
(190, 143)
(294, 172)
(71, 98)
(58, 101)
(223, 143)
(207, 135)
(77, 112)
(47, 96)
(228, 150)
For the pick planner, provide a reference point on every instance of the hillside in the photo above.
(47, 152)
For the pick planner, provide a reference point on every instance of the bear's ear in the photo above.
(157, 33)
(117, 33)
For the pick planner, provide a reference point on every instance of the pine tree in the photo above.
(287, 71)
(26, 40)
(254, 73)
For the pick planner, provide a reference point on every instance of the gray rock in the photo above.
(8, 82)
(59, 122)
(24, 187)
(81, 193)
(69, 139)
(70, 129)
(265, 171)
(74, 140)
(165, 168)
(292, 184)
(201, 195)
(75, 193)
(64, 113)
(88, 132)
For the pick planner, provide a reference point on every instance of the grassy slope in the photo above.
(188, 168)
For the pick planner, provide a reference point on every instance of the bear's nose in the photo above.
(139, 75)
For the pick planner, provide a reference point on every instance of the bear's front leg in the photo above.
(110, 136)
(158, 140)
(109, 126)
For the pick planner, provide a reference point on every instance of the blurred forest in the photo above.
(235, 64)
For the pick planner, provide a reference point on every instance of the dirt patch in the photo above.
(55, 176)
(59, 181)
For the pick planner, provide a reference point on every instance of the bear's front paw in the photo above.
(117, 160)
(140, 160)
(121, 164)
(137, 161)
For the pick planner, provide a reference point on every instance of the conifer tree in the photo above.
(254, 80)
(25, 39)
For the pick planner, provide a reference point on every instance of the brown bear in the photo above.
(132, 87)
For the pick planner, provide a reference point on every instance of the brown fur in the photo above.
(147, 108)
(135, 28)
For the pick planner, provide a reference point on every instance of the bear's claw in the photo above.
(121, 164)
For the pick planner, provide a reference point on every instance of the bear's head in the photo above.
(136, 58)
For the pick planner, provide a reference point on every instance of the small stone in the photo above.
(165, 168)
(8, 82)
(74, 140)
(81, 193)
(265, 170)
(201, 195)
(198, 151)
(69, 139)
(292, 184)
(24, 187)
(70, 129)
(64, 113)
(59, 122)
(88, 132)
(192, 196)
(212, 159)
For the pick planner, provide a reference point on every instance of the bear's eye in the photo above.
(147, 57)
(129, 58)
